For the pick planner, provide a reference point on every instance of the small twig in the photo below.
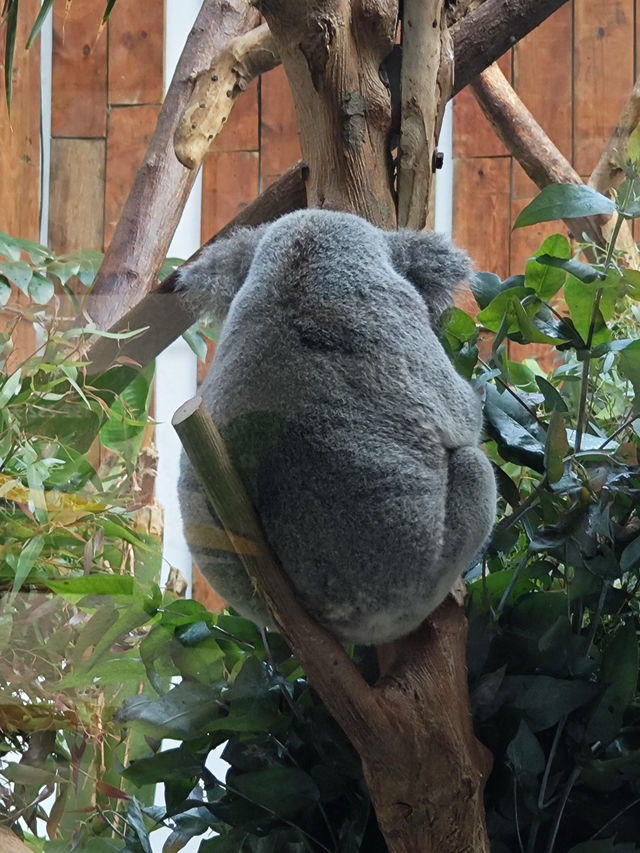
(571, 781)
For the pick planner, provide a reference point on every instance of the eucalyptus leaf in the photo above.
(565, 201)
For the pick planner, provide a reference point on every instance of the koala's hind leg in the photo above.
(470, 514)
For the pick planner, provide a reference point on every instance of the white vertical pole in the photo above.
(176, 366)
(444, 176)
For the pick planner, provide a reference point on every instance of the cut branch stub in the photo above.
(332, 52)
(216, 90)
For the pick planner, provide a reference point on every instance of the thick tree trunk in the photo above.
(332, 53)
(132, 262)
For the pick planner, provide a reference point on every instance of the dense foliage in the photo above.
(98, 667)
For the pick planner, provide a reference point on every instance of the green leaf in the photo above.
(170, 764)
(196, 342)
(630, 557)
(184, 712)
(485, 286)
(8, 247)
(282, 790)
(619, 672)
(128, 421)
(552, 397)
(41, 289)
(525, 754)
(112, 585)
(629, 365)
(5, 290)
(582, 271)
(10, 387)
(26, 561)
(557, 447)
(545, 700)
(19, 272)
(543, 279)
(9, 47)
(581, 299)
(135, 819)
(633, 148)
(42, 14)
(520, 437)
(565, 201)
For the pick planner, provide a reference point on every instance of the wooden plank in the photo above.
(473, 136)
(79, 70)
(20, 135)
(542, 77)
(242, 131)
(481, 211)
(229, 183)
(279, 144)
(603, 74)
(129, 132)
(76, 197)
(20, 166)
(136, 45)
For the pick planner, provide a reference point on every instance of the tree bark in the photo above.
(539, 157)
(132, 262)
(162, 185)
(160, 313)
(332, 53)
(609, 171)
(216, 90)
(427, 82)
(424, 768)
(492, 29)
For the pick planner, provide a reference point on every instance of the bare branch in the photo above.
(538, 156)
(162, 185)
(427, 81)
(346, 693)
(609, 171)
(492, 29)
(407, 744)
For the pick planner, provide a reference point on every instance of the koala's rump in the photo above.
(355, 517)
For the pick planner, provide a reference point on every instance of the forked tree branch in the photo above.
(130, 268)
(407, 742)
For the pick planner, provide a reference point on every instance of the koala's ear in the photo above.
(432, 264)
(208, 284)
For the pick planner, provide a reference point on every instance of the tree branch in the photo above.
(538, 156)
(408, 746)
(492, 29)
(609, 171)
(427, 81)
(216, 90)
(161, 313)
(162, 185)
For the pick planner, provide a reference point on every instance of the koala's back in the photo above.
(341, 412)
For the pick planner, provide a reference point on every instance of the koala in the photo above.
(354, 436)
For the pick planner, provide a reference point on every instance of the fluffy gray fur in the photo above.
(355, 437)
